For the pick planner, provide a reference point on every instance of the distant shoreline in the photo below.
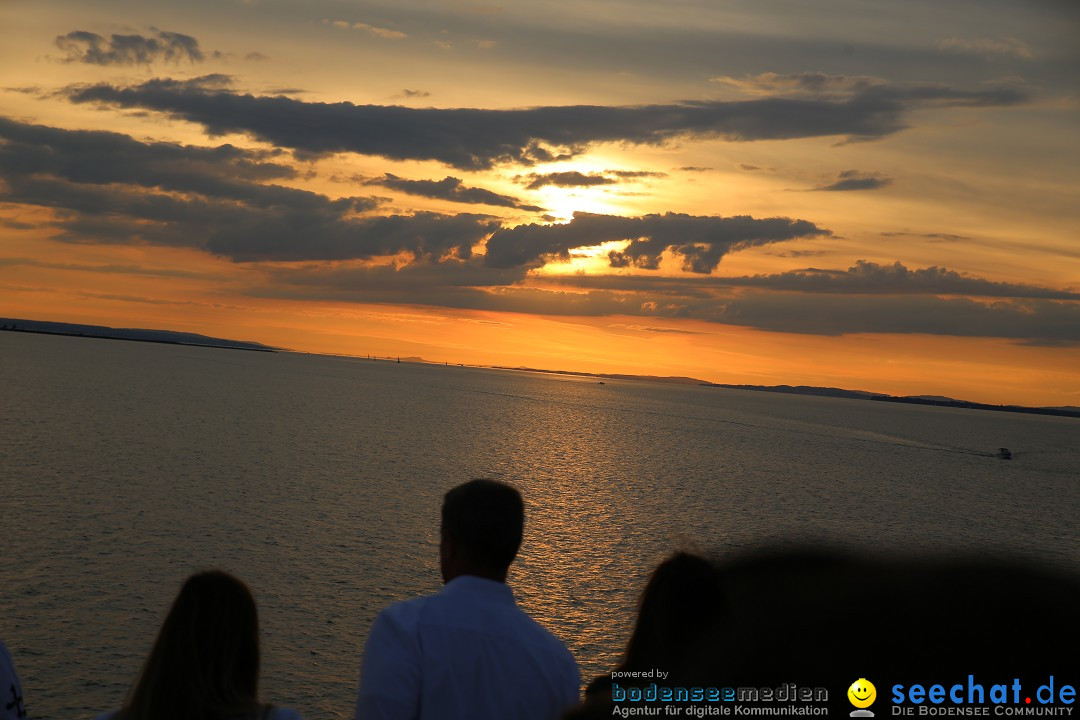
(167, 337)
(810, 390)
(159, 341)
(881, 397)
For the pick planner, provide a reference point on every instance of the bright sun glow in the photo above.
(592, 260)
(601, 250)
(564, 202)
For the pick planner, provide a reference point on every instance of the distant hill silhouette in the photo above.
(803, 390)
(936, 400)
(138, 335)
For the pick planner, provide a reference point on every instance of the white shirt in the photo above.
(466, 653)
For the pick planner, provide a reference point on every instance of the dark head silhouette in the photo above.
(482, 524)
(205, 661)
(823, 618)
(681, 603)
(820, 615)
(681, 608)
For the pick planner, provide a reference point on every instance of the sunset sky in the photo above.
(872, 195)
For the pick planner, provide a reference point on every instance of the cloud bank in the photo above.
(81, 46)
(471, 138)
(109, 188)
(573, 178)
(700, 241)
(856, 180)
(570, 178)
(449, 188)
(869, 278)
(457, 284)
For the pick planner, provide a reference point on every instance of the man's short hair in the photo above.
(486, 518)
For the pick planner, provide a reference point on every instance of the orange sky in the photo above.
(782, 195)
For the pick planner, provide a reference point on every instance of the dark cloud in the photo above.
(863, 278)
(748, 168)
(570, 178)
(701, 287)
(460, 285)
(339, 238)
(653, 328)
(934, 237)
(16, 224)
(1033, 322)
(694, 168)
(802, 253)
(86, 47)
(573, 178)
(700, 241)
(102, 158)
(857, 180)
(415, 93)
(110, 188)
(629, 174)
(416, 278)
(869, 278)
(449, 188)
(477, 138)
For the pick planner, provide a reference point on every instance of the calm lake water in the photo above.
(126, 466)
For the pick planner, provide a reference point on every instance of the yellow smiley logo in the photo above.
(862, 693)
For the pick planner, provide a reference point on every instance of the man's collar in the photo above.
(475, 585)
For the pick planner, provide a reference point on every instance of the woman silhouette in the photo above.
(205, 662)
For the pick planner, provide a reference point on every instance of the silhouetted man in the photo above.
(468, 652)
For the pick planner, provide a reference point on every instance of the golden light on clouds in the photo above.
(569, 190)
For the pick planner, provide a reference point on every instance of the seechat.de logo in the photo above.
(862, 694)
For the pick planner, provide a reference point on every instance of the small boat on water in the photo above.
(1004, 454)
